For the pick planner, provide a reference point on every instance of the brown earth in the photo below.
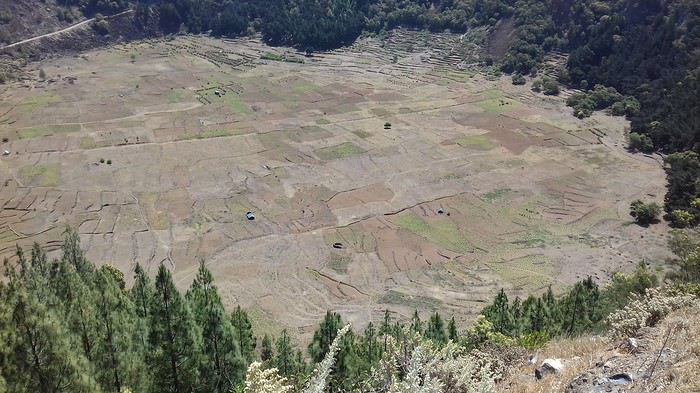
(156, 150)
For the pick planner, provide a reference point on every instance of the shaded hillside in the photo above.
(23, 19)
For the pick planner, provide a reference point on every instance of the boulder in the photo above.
(549, 366)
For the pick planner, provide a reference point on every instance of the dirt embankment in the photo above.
(501, 38)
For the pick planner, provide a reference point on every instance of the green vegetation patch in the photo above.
(45, 175)
(497, 194)
(176, 96)
(498, 105)
(537, 237)
(212, 134)
(478, 142)
(87, 143)
(416, 302)
(39, 101)
(339, 263)
(46, 130)
(278, 57)
(7, 237)
(380, 112)
(444, 232)
(304, 86)
(352, 238)
(530, 273)
(343, 150)
(362, 134)
(235, 102)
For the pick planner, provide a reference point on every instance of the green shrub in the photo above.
(518, 79)
(682, 218)
(550, 86)
(644, 213)
(533, 340)
(640, 142)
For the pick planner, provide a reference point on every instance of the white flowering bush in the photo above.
(646, 310)
(412, 365)
(261, 380)
(317, 383)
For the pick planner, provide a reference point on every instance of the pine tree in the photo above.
(416, 324)
(43, 358)
(284, 358)
(554, 312)
(174, 339)
(73, 255)
(243, 334)
(222, 365)
(142, 297)
(386, 329)
(436, 329)
(266, 352)
(77, 298)
(349, 366)
(120, 355)
(499, 313)
(538, 317)
(324, 336)
(301, 366)
(452, 330)
(516, 310)
(371, 349)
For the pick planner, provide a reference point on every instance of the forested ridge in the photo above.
(69, 326)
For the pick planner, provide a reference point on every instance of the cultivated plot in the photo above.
(380, 176)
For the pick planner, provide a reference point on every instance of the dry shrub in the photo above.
(578, 354)
(644, 311)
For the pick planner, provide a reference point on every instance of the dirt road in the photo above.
(67, 29)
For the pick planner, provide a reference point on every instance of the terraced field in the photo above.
(156, 151)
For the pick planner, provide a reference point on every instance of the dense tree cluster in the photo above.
(583, 308)
(68, 326)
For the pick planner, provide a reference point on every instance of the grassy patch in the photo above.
(236, 104)
(380, 112)
(444, 232)
(39, 101)
(41, 175)
(263, 323)
(176, 96)
(352, 238)
(414, 302)
(362, 134)
(478, 142)
(495, 195)
(278, 57)
(339, 263)
(498, 105)
(530, 273)
(343, 150)
(7, 238)
(87, 142)
(322, 121)
(304, 86)
(46, 130)
(211, 134)
(534, 238)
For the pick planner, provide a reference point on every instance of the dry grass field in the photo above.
(156, 150)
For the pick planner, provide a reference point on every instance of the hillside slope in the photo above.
(22, 19)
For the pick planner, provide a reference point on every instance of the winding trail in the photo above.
(67, 29)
